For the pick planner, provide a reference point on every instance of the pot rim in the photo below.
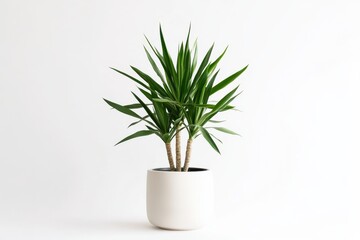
(192, 170)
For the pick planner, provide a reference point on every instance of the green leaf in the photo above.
(152, 48)
(142, 119)
(216, 138)
(225, 130)
(224, 101)
(168, 73)
(161, 114)
(149, 112)
(179, 66)
(188, 37)
(209, 87)
(135, 105)
(140, 133)
(131, 77)
(152, 83)
(208, 138)
(195, 56)
(216, 121)
(204, 63)
(154, 66)
(227, 81)
(166, 100)
(219, 106)
(146, 94)
(166, 56)
(214, 64)
(123, 109)
(200, 87)
(151, 128)
(210, 106)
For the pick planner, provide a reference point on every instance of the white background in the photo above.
(293, 175)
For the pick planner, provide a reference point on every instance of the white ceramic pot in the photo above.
(179, 200)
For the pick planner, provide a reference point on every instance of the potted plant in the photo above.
(179, 197)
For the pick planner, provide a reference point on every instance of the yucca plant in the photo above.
(179, 98)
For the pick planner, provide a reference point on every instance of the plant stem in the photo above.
(169, 155)
(178, 150)
(188, 154)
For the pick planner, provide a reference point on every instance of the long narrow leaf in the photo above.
(223, 101)
(194, 51)
(166, 100)
(209, 139)
(227, 81)
(161, 113)
(146, 94)
(135, 105)
(140, 133)
(221, 105)
(134, 123)
(211, 106)
(204, 63)
(152, 83)
(209, 87)
(131, 77)
(122, 109)
(168, 74)
(188, 37)
(216, 138)
(167, 58)
(154, 66)
(149, 112)
(225, 130)
(216, 121)
(215, 63)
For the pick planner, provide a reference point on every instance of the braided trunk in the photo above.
(170, 157)
(178, 151)
(188, 154)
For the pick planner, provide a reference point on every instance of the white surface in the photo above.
(293, 175)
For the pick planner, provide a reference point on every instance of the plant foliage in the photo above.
(181, 95)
